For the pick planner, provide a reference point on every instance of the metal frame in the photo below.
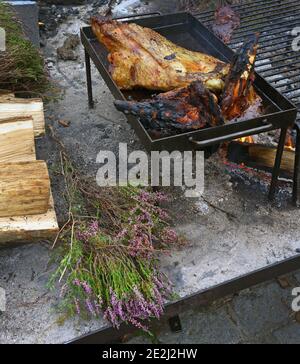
(282, 118)
(296, 187)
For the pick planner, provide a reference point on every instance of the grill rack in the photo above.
(277, 62)
(265, 68)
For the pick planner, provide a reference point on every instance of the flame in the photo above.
(289, 143)
(247, 139)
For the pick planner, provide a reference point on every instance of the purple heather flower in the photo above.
(122, 234)
(156, 310)
(110, 315)
(97, 308)
(91, 231)
(77, 282)
(169, 236)
(77, 306)
(138, 325)
(158, 297)
(87, 288)
(161, 197)
(90, 307)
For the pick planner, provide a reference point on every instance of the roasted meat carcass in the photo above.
(184, 109)
(142, 58)
(239, 93)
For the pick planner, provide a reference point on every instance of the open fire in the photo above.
(248, 153)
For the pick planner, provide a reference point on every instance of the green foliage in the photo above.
(22, 66)
(108, 256)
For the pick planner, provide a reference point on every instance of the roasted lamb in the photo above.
(142, 58)
(188, 108)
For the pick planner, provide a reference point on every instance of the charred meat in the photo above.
(226, 21)
(142, 58)
(239, 93)
(184, 109)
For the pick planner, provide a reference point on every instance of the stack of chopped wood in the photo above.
(26, 204)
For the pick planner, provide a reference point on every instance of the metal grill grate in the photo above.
(277, 61)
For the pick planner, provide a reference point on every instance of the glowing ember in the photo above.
(289, 144)
(247, 139)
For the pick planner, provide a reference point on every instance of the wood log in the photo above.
(24, 188)
(6, 96)
(17, 107)
(27, 229)
(17, 140)
(256, 155)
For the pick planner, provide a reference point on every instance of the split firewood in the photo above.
(17, 140)
(255, 155)
(18, 107)
(29, 228)
(6, 96)
(24, 188)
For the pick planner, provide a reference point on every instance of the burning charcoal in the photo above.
(239, 93)
(188, 108)
(226, 21)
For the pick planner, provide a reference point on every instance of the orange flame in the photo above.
(289, 143)
(247, 139)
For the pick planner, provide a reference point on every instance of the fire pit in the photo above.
(185, 30)
(277, 61)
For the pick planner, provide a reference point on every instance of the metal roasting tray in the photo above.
(185, 30)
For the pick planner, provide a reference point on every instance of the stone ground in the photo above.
(232, 230)
(259, 315)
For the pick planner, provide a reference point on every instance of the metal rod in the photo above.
(287, 58)
(270, 48)
(288, 84)
(266, 44)
(277, 165)
(240, 134)
(279, 72)
(293, 91)
(274, 18)
(89, 79)
(278, 30)
(296, 186)
(272, 79)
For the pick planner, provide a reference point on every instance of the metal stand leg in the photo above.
(89, 79)
(276, 169)
(296, 187)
